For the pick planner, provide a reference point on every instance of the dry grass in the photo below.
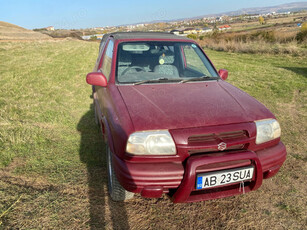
(272, 39)
(52, 157)
(12, 32)
(259, 47)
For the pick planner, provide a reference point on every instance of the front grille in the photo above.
(212, 137)
(235, 140)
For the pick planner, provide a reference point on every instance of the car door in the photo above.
(101, 93)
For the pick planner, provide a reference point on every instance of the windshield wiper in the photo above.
(198, 79)
(157, 80)
(173, 80)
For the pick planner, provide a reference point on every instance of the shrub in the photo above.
(192, 36)
(267, 36)
(301, 36)
(201, 37)
(261, 20)
(304, 27)
(93, 38)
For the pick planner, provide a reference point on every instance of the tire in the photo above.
(116, 191)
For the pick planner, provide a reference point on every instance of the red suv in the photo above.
(173, 125)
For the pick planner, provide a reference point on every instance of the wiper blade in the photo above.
(174, 80)
(198, 79)
(157, 80)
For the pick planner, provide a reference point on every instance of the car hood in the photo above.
(195, 104)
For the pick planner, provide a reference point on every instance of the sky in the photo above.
(76, 14)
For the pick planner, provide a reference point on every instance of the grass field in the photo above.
(52, 170)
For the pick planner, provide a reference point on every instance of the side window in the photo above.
(107, 60)
(99, 55)
(101, 45)
(193, 60)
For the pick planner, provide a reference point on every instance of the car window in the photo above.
(107, 60)
(193, 61)
(154, 60)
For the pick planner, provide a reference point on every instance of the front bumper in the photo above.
(178, 180)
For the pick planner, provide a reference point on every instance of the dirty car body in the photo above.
(173, 125)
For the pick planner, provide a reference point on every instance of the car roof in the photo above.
(146, 35)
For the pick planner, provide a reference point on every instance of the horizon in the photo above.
(80, 15)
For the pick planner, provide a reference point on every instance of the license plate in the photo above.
(218, 178)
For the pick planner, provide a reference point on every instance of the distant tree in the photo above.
(261, 20)
(304, 27)
(302, 35)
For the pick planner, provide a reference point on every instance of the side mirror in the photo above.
(96, 78)
(223, 74)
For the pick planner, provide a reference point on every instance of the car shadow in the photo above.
(92, 153)
(298, 70)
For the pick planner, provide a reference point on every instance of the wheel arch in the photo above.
(107, 134)
(104, 126)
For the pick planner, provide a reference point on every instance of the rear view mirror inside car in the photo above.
(136, 47)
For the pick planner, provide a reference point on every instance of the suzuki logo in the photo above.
(222, 146)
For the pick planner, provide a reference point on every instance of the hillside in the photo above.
(293, 7)
(10, 31)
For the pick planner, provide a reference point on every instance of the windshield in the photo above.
(156, 61)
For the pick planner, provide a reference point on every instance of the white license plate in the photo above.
(218, 178)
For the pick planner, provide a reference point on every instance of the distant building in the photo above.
(140, 25)
(198, 30)
(224, 27)
(206, 30)
(203, 30)
(189, 31)
(99, 36)
(50, 28)
(177, 32)
(88, 37)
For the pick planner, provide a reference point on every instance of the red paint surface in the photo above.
(175, 106)
(223, 74)
(96, 78)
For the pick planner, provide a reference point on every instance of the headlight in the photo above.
(267, 130)
(158, 142)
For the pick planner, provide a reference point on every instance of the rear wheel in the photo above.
(116, 191)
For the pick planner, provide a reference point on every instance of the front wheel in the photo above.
(116, 191)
